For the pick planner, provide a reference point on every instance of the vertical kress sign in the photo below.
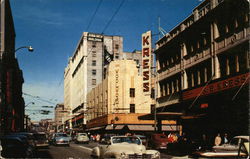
(146, 62)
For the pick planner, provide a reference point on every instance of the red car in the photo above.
(158, 141)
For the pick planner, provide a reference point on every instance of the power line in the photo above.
(38, 98)
(93, 16)
(107, 25)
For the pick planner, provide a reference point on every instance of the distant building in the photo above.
(61, 114)
(203, 69)
(11, 77)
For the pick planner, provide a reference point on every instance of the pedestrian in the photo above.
(217, 140)
(225, 139)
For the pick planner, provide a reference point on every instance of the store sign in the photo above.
(217, 86)
(95, 37)
(146, 61)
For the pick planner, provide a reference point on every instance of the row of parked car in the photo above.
(22, 144)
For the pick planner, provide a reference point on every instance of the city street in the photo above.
(77, 151)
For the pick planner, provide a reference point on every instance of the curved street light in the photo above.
(30, 48)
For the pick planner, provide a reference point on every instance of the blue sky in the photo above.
(53, 28)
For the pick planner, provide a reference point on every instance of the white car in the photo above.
(233, 145)
(123, 147)
(82, 138)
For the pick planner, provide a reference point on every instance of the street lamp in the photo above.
(30, 48)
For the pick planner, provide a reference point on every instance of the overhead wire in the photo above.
(113, 16)
(93, 16)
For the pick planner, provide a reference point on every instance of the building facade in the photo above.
(11, 77)
(203, 69)
(116, 103)
(86, 69)
(61, 114)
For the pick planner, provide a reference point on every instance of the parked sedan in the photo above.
(82, 138)
(123, 147)
(60, 139)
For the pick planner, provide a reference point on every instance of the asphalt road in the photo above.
(80, 151)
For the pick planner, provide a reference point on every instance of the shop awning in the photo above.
(96, 128)
(141, 127)
(119, 127)
(161, 116)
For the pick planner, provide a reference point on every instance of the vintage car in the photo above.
(238, 147)
(41, 140)
(81, 138)
(233, 145)
(123, 147)
(60, 139)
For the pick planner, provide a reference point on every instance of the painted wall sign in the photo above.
(146, 61)
(217, 86)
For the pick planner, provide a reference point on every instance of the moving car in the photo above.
(41, 140)
(158, 141)
(60, 139)
(123, 147)
(81, 138)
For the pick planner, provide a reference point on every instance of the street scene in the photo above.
(125, 79)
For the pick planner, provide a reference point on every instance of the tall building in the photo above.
(203, 69)
(11, 77)
(86, 69)
(117, 102)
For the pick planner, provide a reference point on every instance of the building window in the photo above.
(93, 44)
(93, 72)
(132, 92)
(132, 108)
(152, 108)
(152, 93)
(94, 63)
(93, 81)
(93, 53)
(116, 46)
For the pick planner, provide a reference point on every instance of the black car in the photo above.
(16, 147)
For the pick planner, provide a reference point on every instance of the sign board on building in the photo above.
(232, 82)
(146, 61)
(95, 37)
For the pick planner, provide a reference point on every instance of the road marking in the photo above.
(86, 148)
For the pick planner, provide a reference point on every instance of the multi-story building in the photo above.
(203, 69)
(60, 116)
(11, 77)
(86, 69)
(117, 102)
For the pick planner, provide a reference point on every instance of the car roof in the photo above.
(242, 137)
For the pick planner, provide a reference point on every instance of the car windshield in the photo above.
(127, 139)
(82, 134)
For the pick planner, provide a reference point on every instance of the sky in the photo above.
(54, 27)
